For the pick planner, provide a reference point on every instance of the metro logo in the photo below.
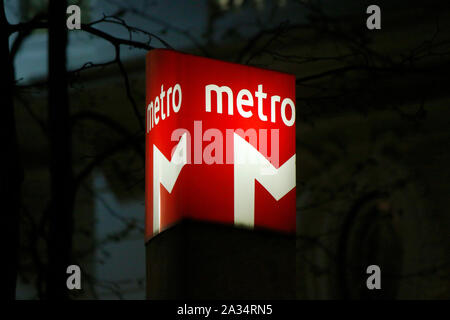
(158, 105)
(166, 172)
(248, 102)
(220, 143)
(250, 165)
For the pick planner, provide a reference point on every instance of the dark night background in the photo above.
(373, 138)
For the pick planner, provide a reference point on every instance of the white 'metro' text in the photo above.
(160, 108)
(244, 99)
(173, 101)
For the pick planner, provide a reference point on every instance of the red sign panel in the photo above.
(220, 143)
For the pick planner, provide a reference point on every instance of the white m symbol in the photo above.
(250, 165)
(166, 172)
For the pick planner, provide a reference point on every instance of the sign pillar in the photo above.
(220, 179)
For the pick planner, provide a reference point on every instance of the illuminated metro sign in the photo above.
(220, 143)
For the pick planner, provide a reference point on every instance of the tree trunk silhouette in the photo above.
(62, 181)
(11, 171)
